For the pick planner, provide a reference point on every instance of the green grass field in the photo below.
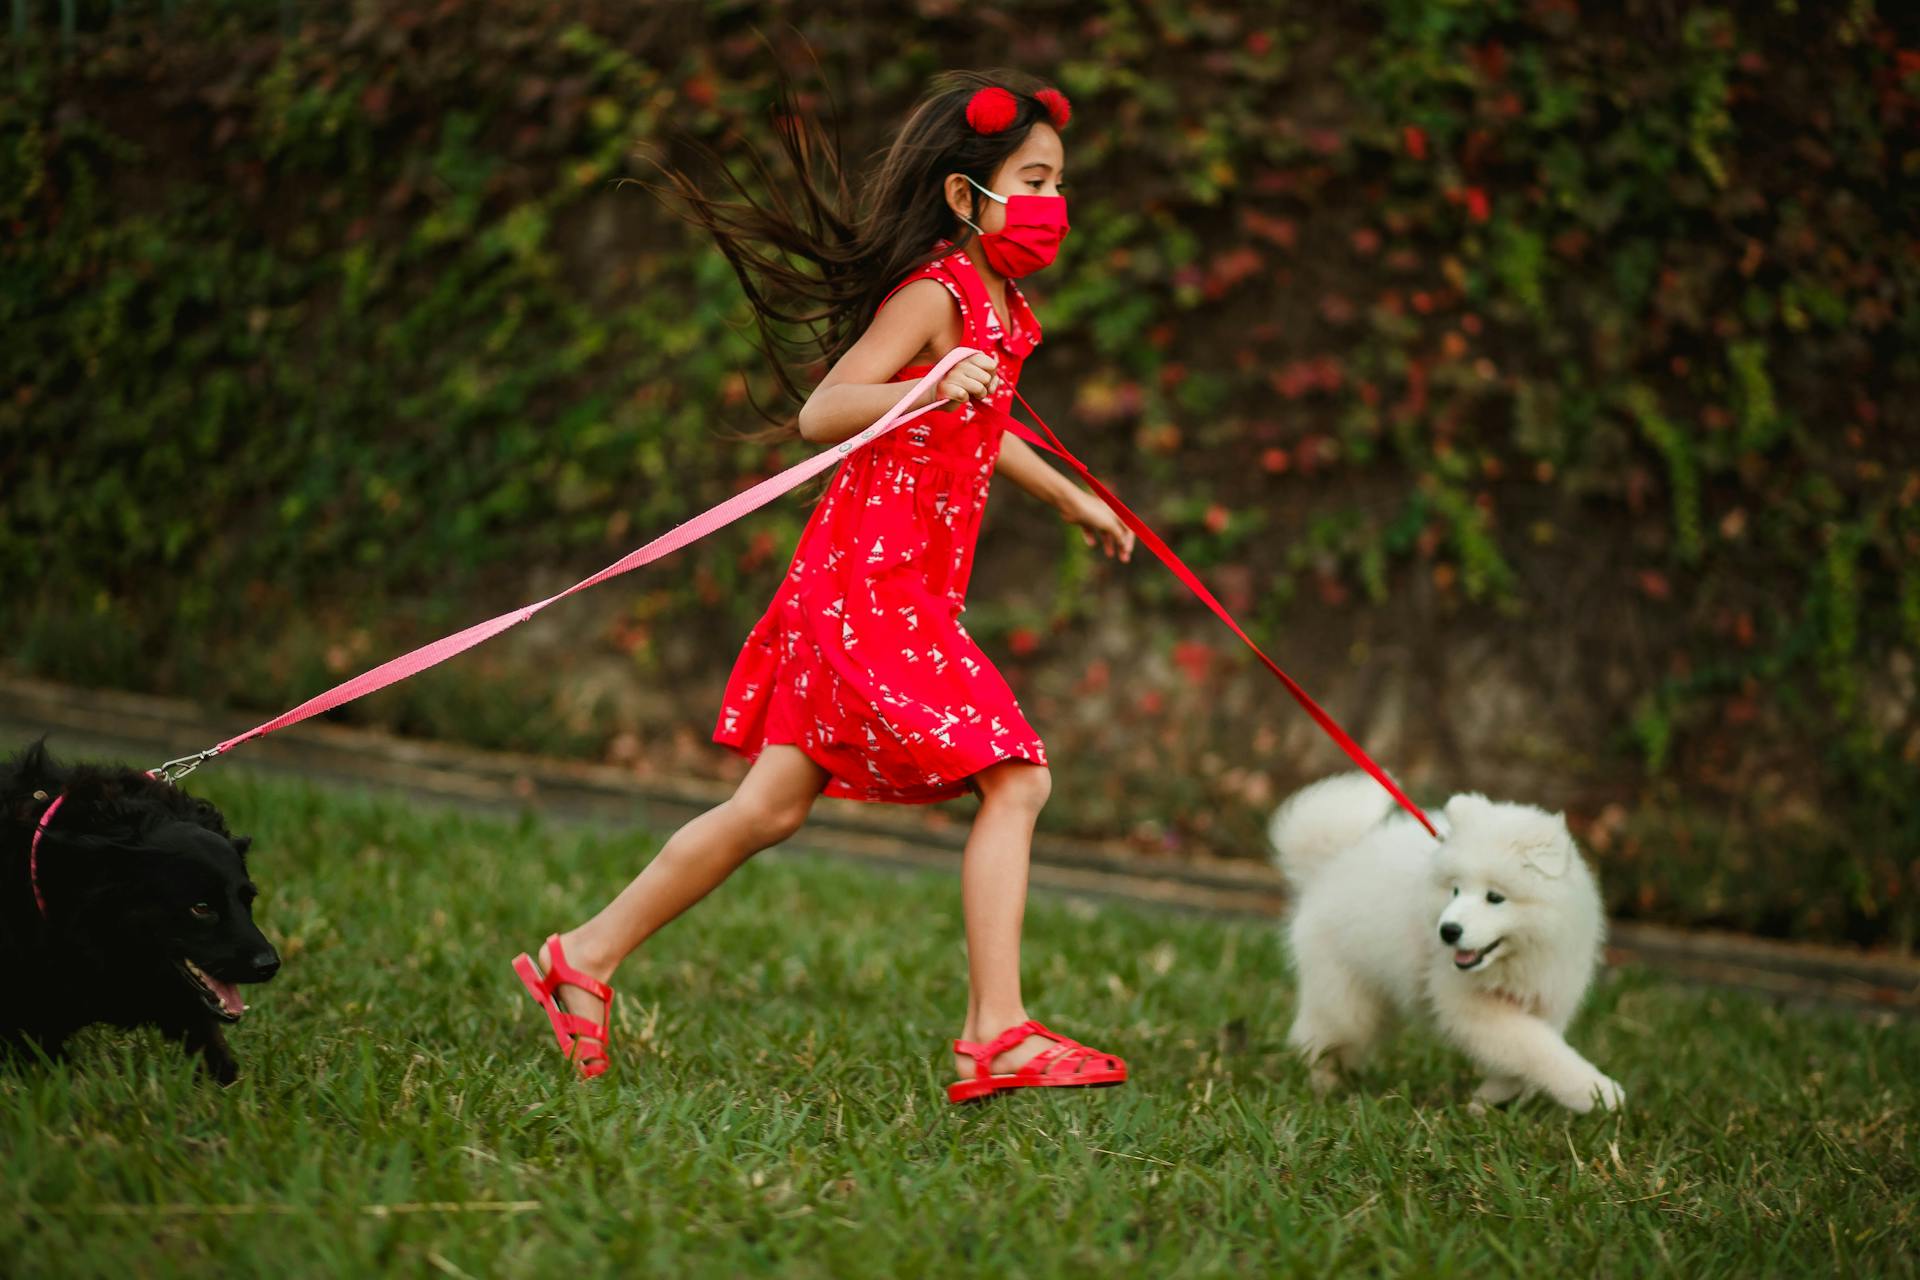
(775, 1102)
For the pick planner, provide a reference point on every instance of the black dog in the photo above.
(136, 910)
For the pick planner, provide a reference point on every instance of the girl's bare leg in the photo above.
(768, 806)
(993, 894)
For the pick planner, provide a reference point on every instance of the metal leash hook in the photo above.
(174, 770)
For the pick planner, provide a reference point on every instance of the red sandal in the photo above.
(1069, 1064)
(569, 1028)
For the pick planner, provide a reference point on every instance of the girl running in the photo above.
(859, 680)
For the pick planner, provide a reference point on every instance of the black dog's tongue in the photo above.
(229, 995)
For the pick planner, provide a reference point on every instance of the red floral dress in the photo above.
(861, 660)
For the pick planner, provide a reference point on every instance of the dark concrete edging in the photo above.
(144, 730)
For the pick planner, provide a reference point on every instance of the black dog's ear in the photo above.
(241, 844)
(34, 764)
(32, 771)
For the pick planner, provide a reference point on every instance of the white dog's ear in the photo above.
(1550, 852)
(1466, 803)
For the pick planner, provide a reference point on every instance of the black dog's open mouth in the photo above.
(222, 998)
(1465, 960)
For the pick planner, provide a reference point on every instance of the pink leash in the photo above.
(725, 513)
(397, 669)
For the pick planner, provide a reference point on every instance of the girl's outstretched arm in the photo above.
(1020, 463)
(920, 320)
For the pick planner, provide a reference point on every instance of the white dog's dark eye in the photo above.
(1494, 898)
(203, 911)
(1456, 891)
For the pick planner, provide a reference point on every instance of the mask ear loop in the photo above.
(991, 195)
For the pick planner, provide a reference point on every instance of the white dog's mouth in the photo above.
(222, 998)
(1465, 960)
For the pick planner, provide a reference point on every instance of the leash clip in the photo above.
(174, 770)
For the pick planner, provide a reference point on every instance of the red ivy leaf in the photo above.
(1280, 231)
(1194, 658)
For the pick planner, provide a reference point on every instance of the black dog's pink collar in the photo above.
(33, 854)
(33, 851)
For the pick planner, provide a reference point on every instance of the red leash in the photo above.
(1199, 588)
(407, 664)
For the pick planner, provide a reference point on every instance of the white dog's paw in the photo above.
(1495, 1091)
(1598, 1089)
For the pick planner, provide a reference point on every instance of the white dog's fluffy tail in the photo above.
(1319, 821)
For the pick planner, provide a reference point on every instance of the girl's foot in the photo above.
(1028, 1055)
(574, 999)
(1004, 1063)
(577, 1000)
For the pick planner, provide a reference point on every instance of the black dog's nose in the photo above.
(265, 965)
(1449, 933)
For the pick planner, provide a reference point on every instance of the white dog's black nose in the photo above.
(1449, 933)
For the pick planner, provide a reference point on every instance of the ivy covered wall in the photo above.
(1537, 383)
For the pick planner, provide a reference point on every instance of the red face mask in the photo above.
(1034, 228)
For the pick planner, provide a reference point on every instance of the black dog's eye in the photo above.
(203, 911)
(1494, 898)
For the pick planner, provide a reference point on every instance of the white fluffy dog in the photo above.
(1494, 933)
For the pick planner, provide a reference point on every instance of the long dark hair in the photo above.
(814, 258)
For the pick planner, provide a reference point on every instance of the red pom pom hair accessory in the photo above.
(992, 109)
(1059, 110)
